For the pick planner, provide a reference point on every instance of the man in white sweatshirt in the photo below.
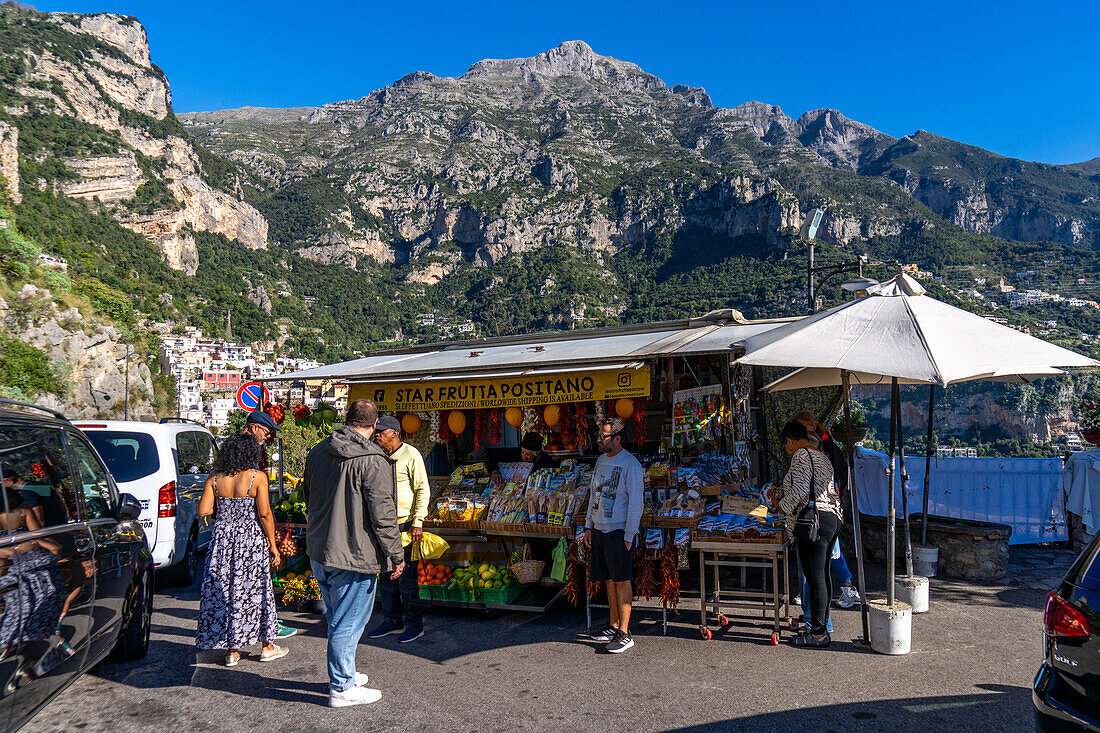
(611, 530)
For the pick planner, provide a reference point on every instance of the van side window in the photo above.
(205, 452)
(95, 487)
(36, 478)
(187, 454)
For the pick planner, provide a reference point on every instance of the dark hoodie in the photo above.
(350, 499)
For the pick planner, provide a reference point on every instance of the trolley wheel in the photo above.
(775, 638)
(705, 633)
(723, 621)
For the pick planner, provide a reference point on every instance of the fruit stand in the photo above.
(694, 421)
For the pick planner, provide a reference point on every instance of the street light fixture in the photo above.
(808, 232)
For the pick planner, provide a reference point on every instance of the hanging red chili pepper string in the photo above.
(479, 428)
(639, 422)
(494, 429)
(670, 578)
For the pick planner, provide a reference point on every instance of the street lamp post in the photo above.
(808, 232)
(126, 404)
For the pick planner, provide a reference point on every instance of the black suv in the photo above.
(76, 576)
(1066, 693)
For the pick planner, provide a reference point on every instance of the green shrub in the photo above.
(28, 370)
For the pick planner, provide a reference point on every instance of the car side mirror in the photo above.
(128, 508)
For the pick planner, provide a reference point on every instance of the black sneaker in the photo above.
(602, 634)
(620, 643)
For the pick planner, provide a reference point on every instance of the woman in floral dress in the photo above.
(237, 608)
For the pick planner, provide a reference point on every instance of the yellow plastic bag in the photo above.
(430, 547)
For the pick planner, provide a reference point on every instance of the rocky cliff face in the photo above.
(112, 86)
(93, 356)
(9, 160)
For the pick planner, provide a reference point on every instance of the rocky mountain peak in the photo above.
(121, 31)
(415, 78)
(839, 140)
(571, 58)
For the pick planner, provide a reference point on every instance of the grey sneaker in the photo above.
(849, 597)
(620, 643)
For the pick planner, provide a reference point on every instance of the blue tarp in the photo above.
(1024, 493)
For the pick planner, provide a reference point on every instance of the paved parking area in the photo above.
(974, 656)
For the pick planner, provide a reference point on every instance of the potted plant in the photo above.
(1088, 415)
(859, 427)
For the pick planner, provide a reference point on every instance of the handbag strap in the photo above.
(811, 499)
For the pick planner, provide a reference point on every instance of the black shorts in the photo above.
(610, 560)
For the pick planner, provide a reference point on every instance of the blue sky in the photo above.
(1016, 78)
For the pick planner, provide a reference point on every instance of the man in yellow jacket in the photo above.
(400, 597)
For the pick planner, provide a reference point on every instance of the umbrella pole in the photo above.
(904, 494)
(850, 447)
(891, 547)
(927, 466)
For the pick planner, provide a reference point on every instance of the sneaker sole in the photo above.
(349, 703)
(388, 633)
(623, 648)
(406, 641)
(233, 663)
(286, 634)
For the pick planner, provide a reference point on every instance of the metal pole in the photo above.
(927, 465)
(904, 493)
(891, 550)
(810, 277)
(282, 486)
(850, 446)
(126, 403)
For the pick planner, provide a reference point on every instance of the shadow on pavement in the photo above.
(923, 714)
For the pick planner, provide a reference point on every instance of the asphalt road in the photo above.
(973, 659)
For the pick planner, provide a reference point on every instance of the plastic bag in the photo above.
(560, 569)
(430, 547)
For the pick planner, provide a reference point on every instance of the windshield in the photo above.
(129, 456)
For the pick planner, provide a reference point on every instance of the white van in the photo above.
(164, 465)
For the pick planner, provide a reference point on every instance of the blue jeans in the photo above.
(349, 602)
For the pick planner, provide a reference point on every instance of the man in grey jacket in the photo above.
(352, 536)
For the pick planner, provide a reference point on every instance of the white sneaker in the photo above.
(849, 597)
(361, 679)
(353, 696)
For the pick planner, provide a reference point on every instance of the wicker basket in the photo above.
(527, 571)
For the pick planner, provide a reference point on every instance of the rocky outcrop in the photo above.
(841, 141)
(9, 160)
(115, 86)
(574, 59)
(106, 178)
(92, 358)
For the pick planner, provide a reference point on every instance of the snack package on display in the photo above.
(654, 539)
(682, 538)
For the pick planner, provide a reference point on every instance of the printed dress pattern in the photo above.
(237, 608)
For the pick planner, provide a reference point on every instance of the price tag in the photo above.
(743, 506)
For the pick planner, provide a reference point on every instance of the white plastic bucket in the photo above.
(913, 591)
(891, 627)
(926, 560)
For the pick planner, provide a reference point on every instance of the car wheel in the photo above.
(133, 641)
(187, 569)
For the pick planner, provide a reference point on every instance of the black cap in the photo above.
(260, 417)
(387, 422)
(531, 441)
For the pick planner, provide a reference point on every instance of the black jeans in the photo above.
(814, 558)
(401, 598)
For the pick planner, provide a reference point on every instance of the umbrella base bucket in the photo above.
(891, 627)
(926, 560)
(913, 591)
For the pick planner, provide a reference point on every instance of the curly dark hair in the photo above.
(238, 453)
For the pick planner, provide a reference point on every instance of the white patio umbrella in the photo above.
(900, 334)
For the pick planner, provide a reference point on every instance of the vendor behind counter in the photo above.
(529, 451)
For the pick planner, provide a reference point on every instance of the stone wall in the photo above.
(974, 551)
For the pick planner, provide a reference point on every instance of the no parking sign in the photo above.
(251, 395)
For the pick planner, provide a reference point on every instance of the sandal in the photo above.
(232, 659)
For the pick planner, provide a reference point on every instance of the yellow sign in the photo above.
(479, 394)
